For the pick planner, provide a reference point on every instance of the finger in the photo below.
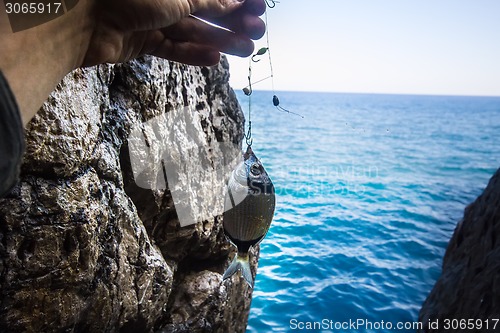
(155, 43)
(139, 15)
(245, 24)
(254, 7)
(244, 20)
(198, 32)
(214, 8)
(251, 7)
(187, 53)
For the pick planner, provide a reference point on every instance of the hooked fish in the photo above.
(248, 211)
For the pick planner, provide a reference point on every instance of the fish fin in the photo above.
(240, 261)
(245, 269)
(233, 268)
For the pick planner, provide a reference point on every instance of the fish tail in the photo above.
(241, 260)
(233, 268)
(245, 268)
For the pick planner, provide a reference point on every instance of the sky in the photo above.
(437, 47)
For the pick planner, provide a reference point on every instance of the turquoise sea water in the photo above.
(369, 190)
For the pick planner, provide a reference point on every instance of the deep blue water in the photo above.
(369, 191)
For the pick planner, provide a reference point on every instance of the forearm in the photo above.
(35, 60)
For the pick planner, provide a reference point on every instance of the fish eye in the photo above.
(255, 169)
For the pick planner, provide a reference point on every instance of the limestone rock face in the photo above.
(83, 248)
(469, 286)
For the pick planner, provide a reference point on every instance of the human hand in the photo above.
(126, 29)
(97, 31)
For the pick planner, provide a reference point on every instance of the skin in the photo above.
(34, 61)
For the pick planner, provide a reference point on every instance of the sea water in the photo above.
(369, 191)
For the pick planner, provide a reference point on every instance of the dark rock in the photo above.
(469, 286)
(82, 247)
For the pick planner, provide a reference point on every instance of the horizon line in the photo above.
(376, 93)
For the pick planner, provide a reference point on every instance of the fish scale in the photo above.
(259, 210)
(248, 210)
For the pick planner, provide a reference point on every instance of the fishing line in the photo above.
(248, 90)
(269, 52)
(259, 81)
(276, 101)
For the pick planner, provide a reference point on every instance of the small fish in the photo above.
(248, 211)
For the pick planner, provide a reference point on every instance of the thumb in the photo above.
(214, 8)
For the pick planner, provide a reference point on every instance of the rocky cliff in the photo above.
(469, 286)
(83, 248)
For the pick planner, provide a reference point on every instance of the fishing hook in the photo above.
(248, 136)
(248, 91)
(271, 3)
(260, 52)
